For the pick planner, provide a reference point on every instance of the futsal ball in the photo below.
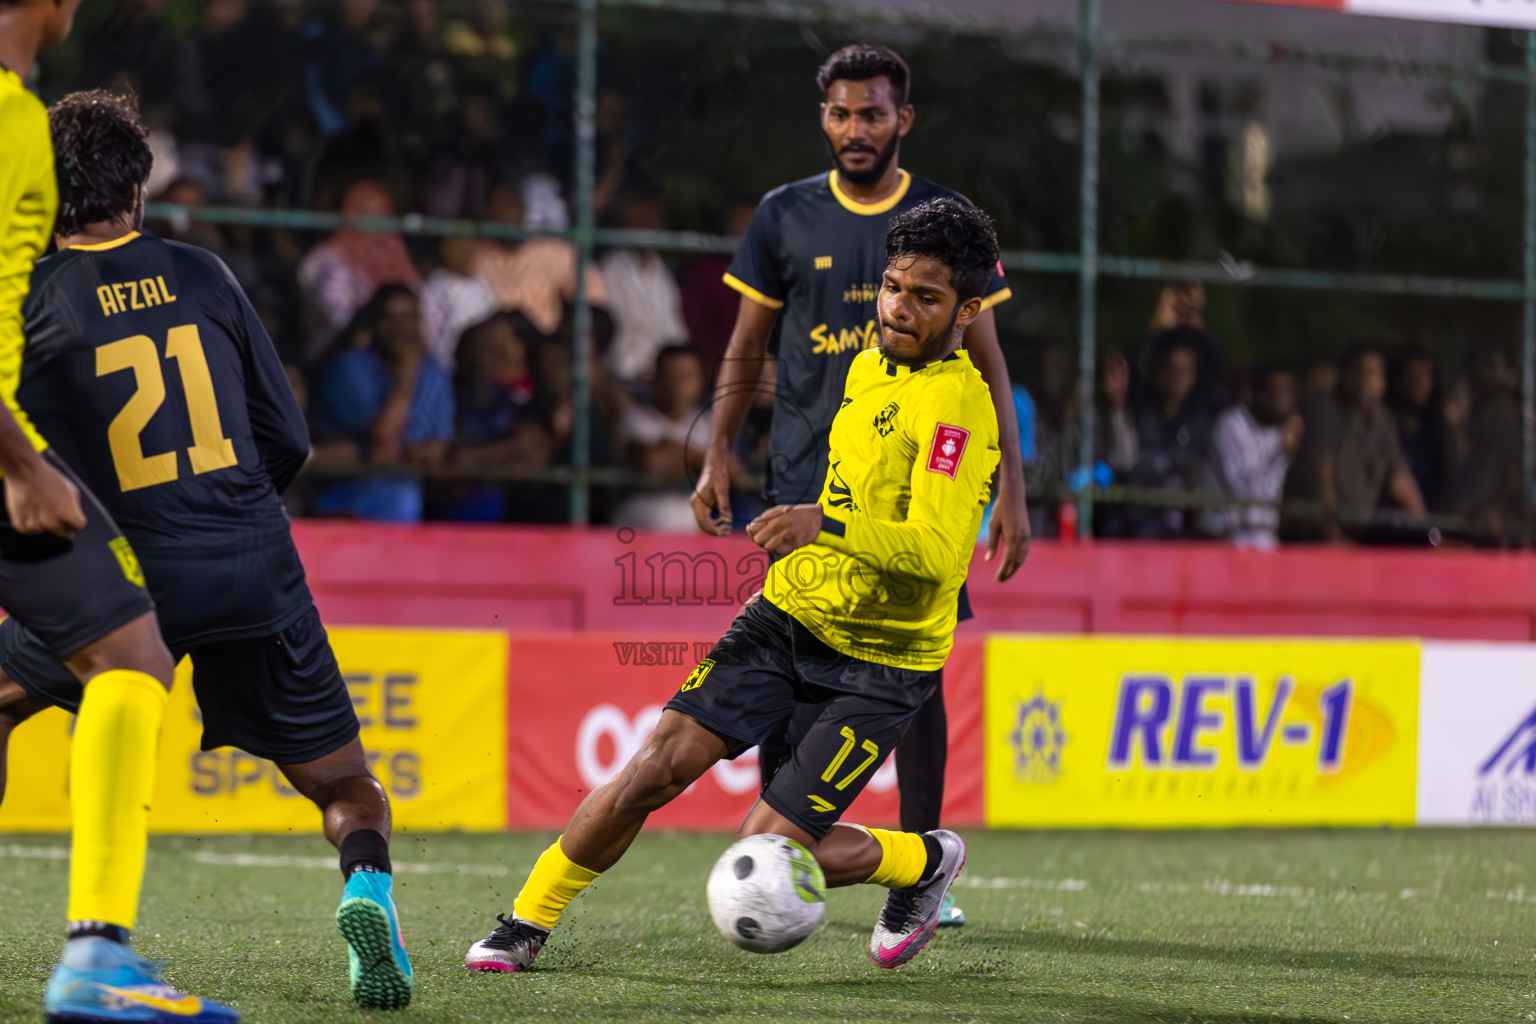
(766, 894)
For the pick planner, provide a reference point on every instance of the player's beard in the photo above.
(876, 170)
(932, 349)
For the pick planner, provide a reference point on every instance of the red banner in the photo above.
(579, 705)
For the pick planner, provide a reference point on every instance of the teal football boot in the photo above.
(380, 969)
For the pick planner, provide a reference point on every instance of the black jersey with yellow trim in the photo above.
(817, 257)
(151, 375)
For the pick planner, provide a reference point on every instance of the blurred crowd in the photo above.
(1380, 446)
(423, 363)
(437, 372)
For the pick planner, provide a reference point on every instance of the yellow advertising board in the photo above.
(432, 706)
(1171, 733)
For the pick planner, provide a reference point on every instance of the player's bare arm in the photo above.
(1010, 517)
(740, 372)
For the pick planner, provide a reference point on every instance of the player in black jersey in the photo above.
(151, 375)
(67, 572)
(809, 270)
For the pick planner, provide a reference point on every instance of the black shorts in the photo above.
(71, 592)
(768, 666)
(280, 697)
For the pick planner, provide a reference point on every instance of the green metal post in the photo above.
(586, 160)
(1088, 273)
(1528, 340)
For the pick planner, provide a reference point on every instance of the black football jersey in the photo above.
(148, 371)
(818, 257)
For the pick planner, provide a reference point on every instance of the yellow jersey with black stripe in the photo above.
(29, 201)
(909, 471)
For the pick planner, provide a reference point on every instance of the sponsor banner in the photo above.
(37, 783)
(1187, 733)
(1477, 743)
(432, 709)
(581, 705)
(1509, 13)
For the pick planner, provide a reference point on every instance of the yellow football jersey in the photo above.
(29, 201)
(909, 474)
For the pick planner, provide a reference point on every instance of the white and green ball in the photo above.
(766, 893)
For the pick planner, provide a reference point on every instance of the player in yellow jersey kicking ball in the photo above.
(71, 578)
(856, 617)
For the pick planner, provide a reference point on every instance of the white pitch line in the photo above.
(1042, 884)
(1210, 887)
(282, 860)
(35, 852)
(17, 851)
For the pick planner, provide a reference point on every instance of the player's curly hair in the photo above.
(951, 232)
(101, 156)
(861, 62)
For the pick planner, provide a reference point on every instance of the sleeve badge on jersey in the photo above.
(948, 448)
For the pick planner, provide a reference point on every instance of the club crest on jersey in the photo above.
(127, 560)
(696, 677)
(885, 422)
(948, 449)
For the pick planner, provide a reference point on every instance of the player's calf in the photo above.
(357, 820)
(671, 759)
(16, 706)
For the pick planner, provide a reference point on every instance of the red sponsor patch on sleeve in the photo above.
(948, 448)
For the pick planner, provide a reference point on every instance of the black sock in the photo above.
(935, 855)
(98, 930)
(365, 850)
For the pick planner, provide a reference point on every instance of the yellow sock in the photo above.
(903, 858)
(554, 882)
(111, 781)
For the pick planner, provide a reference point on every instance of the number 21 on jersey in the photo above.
(210, 449)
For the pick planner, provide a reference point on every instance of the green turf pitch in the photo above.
(1298, 927)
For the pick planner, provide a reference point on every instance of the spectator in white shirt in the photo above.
(1251, 448)
(343, 272)
(643, 296)
(667, 438)
(454, 298)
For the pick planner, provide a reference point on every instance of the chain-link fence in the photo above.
(1321, 192)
